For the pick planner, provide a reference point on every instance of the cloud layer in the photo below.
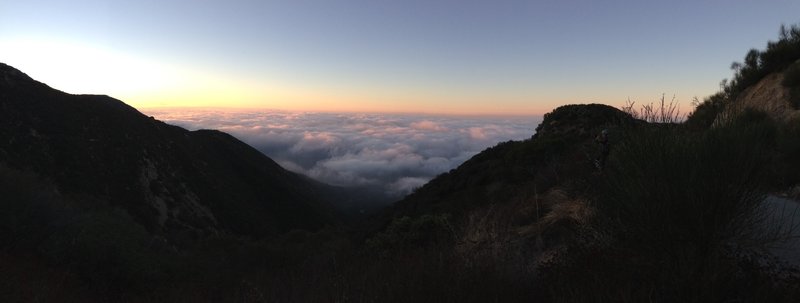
(394, 152)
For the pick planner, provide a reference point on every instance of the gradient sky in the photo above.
(435, 56)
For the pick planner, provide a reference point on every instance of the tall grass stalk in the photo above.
(662, 112)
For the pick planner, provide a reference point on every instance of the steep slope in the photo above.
(498, 195)
(100, 152)
(771, 95)
(501, 216)
(562, 145)
(675, 209)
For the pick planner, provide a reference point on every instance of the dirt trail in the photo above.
(786, 212)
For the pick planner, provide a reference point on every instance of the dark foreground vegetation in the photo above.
(676, 215)
(682, 218)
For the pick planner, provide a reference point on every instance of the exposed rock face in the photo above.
(101, 152)
(768, 95)
(581, 119)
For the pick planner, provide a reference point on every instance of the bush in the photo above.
(107, 249)
(677, 204)
(788, 165)
(669, 188)
(29, 208)
(777, 57)
(405, 232)
(757, 64)
(791, 81)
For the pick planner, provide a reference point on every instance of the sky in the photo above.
(381, 56)
(390, 153)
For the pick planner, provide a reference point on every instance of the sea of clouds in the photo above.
(393, 152)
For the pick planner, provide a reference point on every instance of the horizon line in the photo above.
(376, 112)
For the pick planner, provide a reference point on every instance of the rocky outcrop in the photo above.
(768, 95)
(582, 120)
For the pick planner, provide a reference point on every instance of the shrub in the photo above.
(672, 188)
(406, 232)
(791, 81)
(777, 57)
(107, 249)
(29, 208)
(677, 204)
(788, 165)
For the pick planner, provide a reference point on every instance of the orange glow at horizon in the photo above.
(311, 102)
(148, 83)
(207, 90)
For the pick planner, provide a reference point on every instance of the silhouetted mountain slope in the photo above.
(99, 151)
(511, 207)
(561, 151)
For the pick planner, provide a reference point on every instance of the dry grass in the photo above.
(661, 112)
(559, 210)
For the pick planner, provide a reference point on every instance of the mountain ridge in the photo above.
(101, 150)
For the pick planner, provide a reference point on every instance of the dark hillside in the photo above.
(498, 216)
(561, 151)
(675, 216)
(101, 151)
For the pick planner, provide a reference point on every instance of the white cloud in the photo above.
(398, 153)
(428, 125)
(405, 185)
